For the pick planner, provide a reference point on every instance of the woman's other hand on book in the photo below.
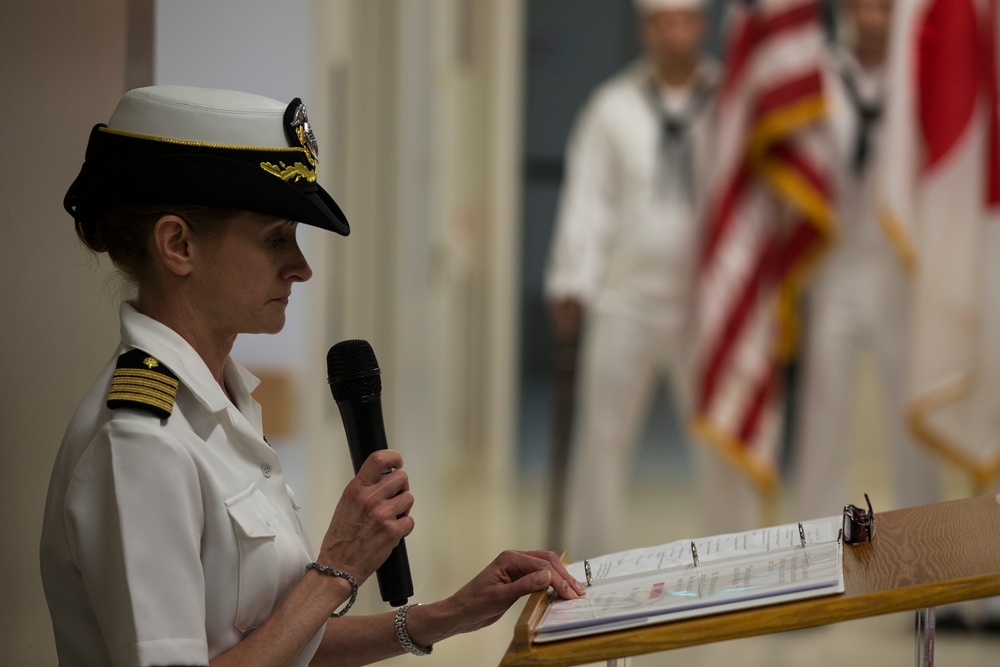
(511, 575)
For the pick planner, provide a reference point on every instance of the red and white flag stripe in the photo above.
(769, 217)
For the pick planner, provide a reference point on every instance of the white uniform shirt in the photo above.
(623, 243)
(167, 541)
(859, 233)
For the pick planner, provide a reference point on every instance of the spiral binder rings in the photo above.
(700, 577)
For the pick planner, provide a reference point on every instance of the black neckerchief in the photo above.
(675, 144)
(869, 114)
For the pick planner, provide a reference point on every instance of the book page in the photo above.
(673, 554)
(711, 587)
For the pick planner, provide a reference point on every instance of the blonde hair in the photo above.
(124, 232)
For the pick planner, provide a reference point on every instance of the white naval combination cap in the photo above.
(175, 145)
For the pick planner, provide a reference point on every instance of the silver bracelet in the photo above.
(337, 573)
(404, 637)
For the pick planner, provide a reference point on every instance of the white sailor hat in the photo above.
(171, 145)
(650, 6)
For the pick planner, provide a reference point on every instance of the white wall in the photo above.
(257, 46)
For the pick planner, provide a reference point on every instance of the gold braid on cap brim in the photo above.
(285, 169)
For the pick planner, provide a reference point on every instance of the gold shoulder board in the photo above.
(140, 381)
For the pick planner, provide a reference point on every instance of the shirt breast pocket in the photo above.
(255, 525)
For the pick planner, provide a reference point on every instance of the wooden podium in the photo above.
(919, 558)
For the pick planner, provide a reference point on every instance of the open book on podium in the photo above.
(912, 558)
(700, 577)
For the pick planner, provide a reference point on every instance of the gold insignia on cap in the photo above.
(290, 173)
(140, 381)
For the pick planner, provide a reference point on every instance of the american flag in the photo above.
(769, 218)
(940, 193)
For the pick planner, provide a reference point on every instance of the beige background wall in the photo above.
(61, 66)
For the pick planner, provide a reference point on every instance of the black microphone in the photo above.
(356, 383)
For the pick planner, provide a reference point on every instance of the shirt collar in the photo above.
(145, 333)
(706, 74)
(869, 81)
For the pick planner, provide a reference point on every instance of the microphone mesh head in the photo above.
(352, 370)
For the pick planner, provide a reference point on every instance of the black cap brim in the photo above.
(135, 170)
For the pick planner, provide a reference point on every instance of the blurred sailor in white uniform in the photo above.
(858, 301)
(621, 271)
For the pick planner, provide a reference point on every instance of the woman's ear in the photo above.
(172, 244)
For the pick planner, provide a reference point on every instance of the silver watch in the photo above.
(404, 637)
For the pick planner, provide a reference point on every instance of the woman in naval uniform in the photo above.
(170, 536)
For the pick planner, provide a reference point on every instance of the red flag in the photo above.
(769, 218)
(940, 192)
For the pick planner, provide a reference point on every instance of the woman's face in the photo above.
(244, 275)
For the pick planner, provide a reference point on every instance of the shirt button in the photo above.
(266, 469)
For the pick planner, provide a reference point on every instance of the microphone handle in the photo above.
(365, 430)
